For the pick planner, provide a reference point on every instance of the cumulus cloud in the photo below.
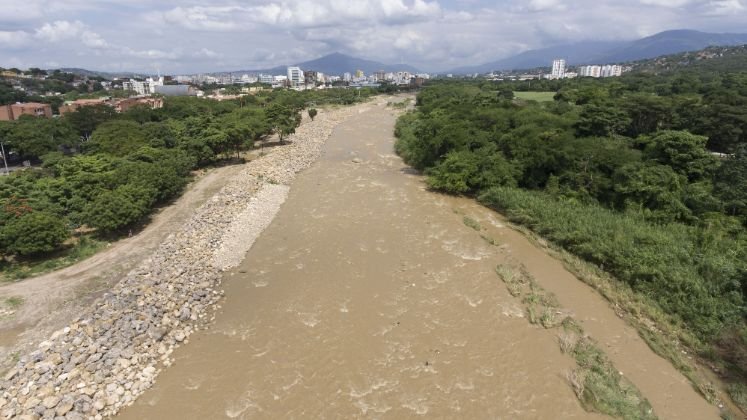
(301, 13)
(62, 30)
(206, 53)
(667, 3)
(59, 30)
(152, 53)
(220, 18)
(725, 7)
(212, 35)
(540, 5)
(14, 39)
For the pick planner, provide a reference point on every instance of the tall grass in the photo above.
(598, 385)
(690, 272)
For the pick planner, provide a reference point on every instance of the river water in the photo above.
(369, 297)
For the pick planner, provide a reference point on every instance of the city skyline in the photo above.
(191, 37)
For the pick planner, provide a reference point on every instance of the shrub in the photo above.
(33, 233)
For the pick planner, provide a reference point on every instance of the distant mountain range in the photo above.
(104, 74)
(594, 52)
(337, 64)
(586, 52)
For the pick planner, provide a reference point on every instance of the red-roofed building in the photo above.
(14, 111)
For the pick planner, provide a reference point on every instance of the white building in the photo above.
(248, 79)
(590, 71)
(152, 83)
(265, 78)
(611, 71)
(295, 76)
(137, 86)
(347, 77)
(558, 69)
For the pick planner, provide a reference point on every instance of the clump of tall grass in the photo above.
(597, 384)
(474, 224)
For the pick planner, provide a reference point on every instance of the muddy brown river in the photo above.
(369, 297)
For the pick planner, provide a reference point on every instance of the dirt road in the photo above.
(51, 300)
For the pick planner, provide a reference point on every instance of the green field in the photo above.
(535, 96)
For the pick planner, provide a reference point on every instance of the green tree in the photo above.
(85, 119)
(655, 190)
(283, 119)
(684, 152)
(33, 137)
(731, 183)
(601, 120)
(312, 113)
(33, 233)
(117, 138)
(113, 210)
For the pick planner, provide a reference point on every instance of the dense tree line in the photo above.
(620, 171)
(107, 171)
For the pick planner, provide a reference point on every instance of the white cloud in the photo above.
(152, 54)
(725, 7)
(93, 40)
(59, 30)
(295, 14)
(14, 39)
(212, 35)
(203, 18)
(541, 5)
(62, 30)
(206, 53)
(667, 3)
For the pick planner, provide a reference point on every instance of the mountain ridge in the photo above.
(338, 63)
(611, 52)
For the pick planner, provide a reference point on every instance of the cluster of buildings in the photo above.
(149, 91)
(600, 71)
(13, 112)
(560, 71)
(300, 79)
(119, 105)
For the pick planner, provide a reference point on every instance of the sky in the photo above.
(181, 37)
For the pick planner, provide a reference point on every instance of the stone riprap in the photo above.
(113, 352)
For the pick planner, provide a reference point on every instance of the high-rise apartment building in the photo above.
(590, 71)
(611, 71)
(295, 76)
(558, 69)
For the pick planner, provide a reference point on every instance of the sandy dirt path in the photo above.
(51, 300)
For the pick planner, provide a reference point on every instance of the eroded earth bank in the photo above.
(368, 296)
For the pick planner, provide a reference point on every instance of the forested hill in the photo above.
(714, 59)
(621, 172)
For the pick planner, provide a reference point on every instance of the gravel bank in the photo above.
(111, 353)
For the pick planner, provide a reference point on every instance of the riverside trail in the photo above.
(368, 296)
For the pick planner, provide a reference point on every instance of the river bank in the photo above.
(370, 296)
(112, 352)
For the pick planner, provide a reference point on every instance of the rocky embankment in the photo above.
(113, 352)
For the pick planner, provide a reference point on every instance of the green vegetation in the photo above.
(78, 250)
(535, 96)
(620, 172)
(474, 224)
(597, 384)
(14, 302)
(108, 171)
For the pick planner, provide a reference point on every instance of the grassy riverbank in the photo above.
(671, 281)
